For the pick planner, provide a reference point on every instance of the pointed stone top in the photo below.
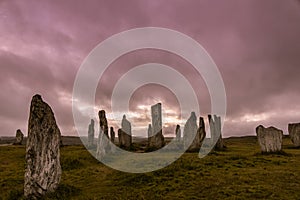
(37, 97)
(193, 114)
(124, 116)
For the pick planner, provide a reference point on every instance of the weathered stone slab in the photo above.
(91, 134)
(190, 138)
(294, 132)
(19, 137)
(42, 168)
(216, 131)
(124, 134)
(269, 139)
(156, 138)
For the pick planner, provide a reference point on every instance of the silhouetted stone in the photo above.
(294, 132)
(269, 139)
(216, 131)
(178, 133)
(112, 135)
(156, 138)
(103, 138)
(201, 133)
(42, 169)
(91, 133)
(19, 137)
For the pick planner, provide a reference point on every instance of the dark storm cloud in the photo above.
(254, 43)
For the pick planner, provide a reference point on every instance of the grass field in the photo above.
(240, 172)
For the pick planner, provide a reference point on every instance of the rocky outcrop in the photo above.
(42, 168)
(19, 137)
(294, 132)
(269, 139)
(216, 131)
(91, 134)
(155, 137)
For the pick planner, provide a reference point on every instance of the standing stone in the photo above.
(216, 131)
(178, 133)
(124, 134)
(190, 133)
(156, 139)
(269, 139)
(19, 137)
(103, 140)
(42, 169)
(201, 133)
(91, 134)
(294, 132)
(112, 135)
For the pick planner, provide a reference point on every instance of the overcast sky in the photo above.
(255, 44)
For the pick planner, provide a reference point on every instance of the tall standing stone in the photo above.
(91, 134)
(103, 138)
(190, 139)
(124, 134)
(269, 139)
(156, 139)
(178, 133)
(112, 134)
(42, 169)
(19, 137)
(216, 131)
(294, 132)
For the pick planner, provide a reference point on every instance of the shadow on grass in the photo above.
(63, 192)
(278, 153)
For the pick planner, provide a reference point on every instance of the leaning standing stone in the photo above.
(19, 137)
(42, 168)
(294, 132)
(269, 139)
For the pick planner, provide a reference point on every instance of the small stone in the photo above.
(294, 132)
(269, 139)
(19, 137)
(42, 168)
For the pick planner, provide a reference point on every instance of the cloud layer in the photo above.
(255, 44)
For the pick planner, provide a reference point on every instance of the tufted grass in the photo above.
(239, 172)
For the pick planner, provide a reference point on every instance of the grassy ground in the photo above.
(240, 172)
